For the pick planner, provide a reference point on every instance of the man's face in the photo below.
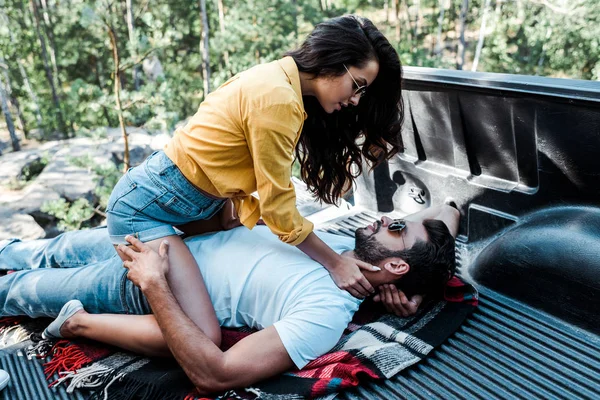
(375, 242)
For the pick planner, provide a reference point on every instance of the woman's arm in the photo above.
(345, 271)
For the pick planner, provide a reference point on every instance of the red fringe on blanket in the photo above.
(456, 291)
(69, 356)
(7, 322)
(340, 364)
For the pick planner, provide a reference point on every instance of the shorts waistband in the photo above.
(147, 235)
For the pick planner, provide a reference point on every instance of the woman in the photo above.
(342, 84)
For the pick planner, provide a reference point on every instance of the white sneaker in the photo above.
(67, 311)
(4, 378)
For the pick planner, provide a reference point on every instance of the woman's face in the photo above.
(336, 92)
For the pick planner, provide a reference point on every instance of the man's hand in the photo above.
(146, 265)
(347, 276)
(396, 302)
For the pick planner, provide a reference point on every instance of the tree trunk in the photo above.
(460, 54)
(131, 30)
(50, 33)
(98, 70)
(117, 77)
(204, 49)
(221, 10)
(540, 65)
(32, 95)
(409, 21)
(486, 6)
(417, 18)
(439, 44)
(386, 10)
(323, 4)
(397, 19)
(7, 116)
(24, 77)
(12, 100)
(49, 77)
(295, 16)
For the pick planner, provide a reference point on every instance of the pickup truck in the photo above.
(520, 157)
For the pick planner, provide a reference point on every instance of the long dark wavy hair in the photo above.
(329, 145)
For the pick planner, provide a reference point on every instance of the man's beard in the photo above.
(367, 248)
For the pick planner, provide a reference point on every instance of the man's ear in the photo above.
(397, 266)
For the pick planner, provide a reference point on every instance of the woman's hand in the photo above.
(146, 266)
(396, 302)
(347, 276)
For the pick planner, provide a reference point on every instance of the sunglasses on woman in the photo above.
(360, 90)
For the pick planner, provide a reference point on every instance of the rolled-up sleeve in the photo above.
(272, 133)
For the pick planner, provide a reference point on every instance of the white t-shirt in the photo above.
(256, 280)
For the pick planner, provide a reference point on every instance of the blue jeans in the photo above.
(152, 197)
(79, 265)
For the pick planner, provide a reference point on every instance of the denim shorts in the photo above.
(152, 197)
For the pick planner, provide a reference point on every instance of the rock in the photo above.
(21, 226)
(70, 181)
(141, 145)
(12, 165)
(116, 134)
(29, 200)
(60, 178)
(136, 155)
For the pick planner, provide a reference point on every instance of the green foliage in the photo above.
(106, 177)
(32, 170)
(80, 213)
(71, 216)
(549, 38)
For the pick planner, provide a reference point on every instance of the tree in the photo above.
(486, 6)
(221, 9)
(49, 29)
(132, 42)
(397, 19)
(439, 44)
(12, 100)
(204, 49)
(460, 53)
(7, 116)
(49, 75)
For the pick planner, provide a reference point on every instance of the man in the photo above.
(252, 280)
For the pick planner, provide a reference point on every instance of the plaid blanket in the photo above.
(375, 346)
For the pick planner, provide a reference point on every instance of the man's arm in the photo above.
(256, 357)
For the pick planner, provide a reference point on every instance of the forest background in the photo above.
(71, 68)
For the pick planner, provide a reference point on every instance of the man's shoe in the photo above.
(4, 378)
(68, 310)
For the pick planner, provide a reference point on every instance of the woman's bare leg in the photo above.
(138, 333)
(188, 287)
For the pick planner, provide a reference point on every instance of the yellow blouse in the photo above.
(242, 140)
